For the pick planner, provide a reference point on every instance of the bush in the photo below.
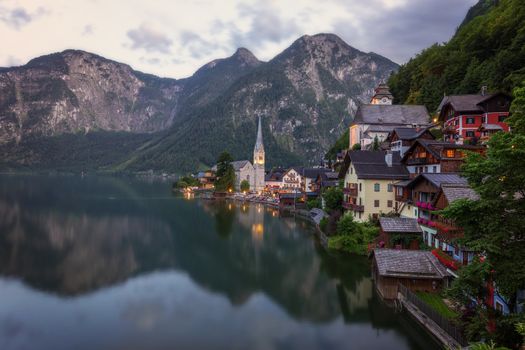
(245, 186)
(323, 223)
(313, 203)
(333, 198)
(352, 236)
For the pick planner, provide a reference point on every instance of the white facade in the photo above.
(292, 180)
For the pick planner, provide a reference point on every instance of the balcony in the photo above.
(425, 205)
(353, 207)
(351, 191)
(416, 161)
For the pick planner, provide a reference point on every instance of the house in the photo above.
(430, 156)
(292, 179)
(470, 117)
(206, 179)
(291, 200)
(376, 120)
(447, 230)
(401, 139)
(399, 232)
(368, 182)
(308, 177)
(415, 269)
(326, 180)
(273, 181)
(424, 189)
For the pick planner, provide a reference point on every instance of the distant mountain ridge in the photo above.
(306, 95)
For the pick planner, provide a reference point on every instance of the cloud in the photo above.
(148, 39)
(196, 45)
(16, 18)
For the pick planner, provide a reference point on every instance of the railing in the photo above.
(351, 191)
(354, 207)
(415, 161)
(450, 328)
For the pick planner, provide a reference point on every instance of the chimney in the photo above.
(388, 158)
(483, 90)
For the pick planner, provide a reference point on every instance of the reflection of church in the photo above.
(253, 173)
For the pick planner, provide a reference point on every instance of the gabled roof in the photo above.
(436, 147)
(392, 114)
(453, 192)
(410, 134)
(438, 179)
(418, 264)
(312, 173)
(239, 164)
(467, 103)
(372, 165)
(399, 225)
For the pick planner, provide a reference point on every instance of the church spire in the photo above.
(259, 143)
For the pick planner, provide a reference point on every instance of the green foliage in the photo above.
(333, 198)
(313, 203)
(356, 147)
(470, 284)
(339, 145)
(375, 145)
(245, 186)
(225, 173)
(435, 301)
(352, 236)
(323, 223)
(486, 50)
(187, 181)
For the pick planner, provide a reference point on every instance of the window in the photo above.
(501, 118)
(360, 187)
(456, 122)
(376, 203)
(360, 201)
(450, 153)
(434, 169)
(469, 134)
(390, 187)
(351, 170)
(415, 212)
(470, 120)
(359, 215)
(484, 119)
(426, 169)
(377, 187)
(389, 204)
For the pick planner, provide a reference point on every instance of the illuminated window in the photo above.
(450, 153)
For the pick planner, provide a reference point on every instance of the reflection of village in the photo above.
(81, 249)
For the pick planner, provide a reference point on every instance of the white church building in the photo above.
(253, 173)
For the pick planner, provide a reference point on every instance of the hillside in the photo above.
(487, 49)
(76, 101)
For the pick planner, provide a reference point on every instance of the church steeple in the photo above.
(258, 150)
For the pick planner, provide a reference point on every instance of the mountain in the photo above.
(80, 111)
(487, 50)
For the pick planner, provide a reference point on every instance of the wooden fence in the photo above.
(450, 328)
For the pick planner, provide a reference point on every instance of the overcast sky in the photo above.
(173, 38)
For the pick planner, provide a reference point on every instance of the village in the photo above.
(401, 170)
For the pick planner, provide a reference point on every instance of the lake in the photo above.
(119, 263)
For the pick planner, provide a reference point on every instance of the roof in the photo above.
(402, 225)
(239, 164)
(438, 179)
(372, 165)
(410, 133)
(403, 183)
(290, 195)
(418, 264)
(467, 103)
(392, 114)
(436, 147)
(259, 141)
(453, 192)
(312, 173)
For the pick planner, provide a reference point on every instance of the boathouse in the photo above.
(400, 233)
(415, 269)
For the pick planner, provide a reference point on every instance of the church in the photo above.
(253, 173)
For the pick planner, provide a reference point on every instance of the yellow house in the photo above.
(369, 178)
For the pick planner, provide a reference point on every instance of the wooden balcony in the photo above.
(353, 207)
(351, 191)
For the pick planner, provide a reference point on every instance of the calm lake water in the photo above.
(109, 263)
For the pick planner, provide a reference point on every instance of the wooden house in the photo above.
(401, 139)
(415, 269)
(399, 233)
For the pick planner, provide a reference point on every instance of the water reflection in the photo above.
(107, 239)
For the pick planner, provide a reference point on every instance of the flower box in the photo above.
(445, 259)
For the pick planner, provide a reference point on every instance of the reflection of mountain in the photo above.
(93, 233)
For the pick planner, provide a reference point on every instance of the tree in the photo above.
(375, 145)
(333, 197)
(225, 173)
(352, 236)
(356, 147)
(245, 186)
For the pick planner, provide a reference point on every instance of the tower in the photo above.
(258, 160)
(382, 95)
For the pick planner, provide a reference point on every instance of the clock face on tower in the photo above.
(385, 100)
